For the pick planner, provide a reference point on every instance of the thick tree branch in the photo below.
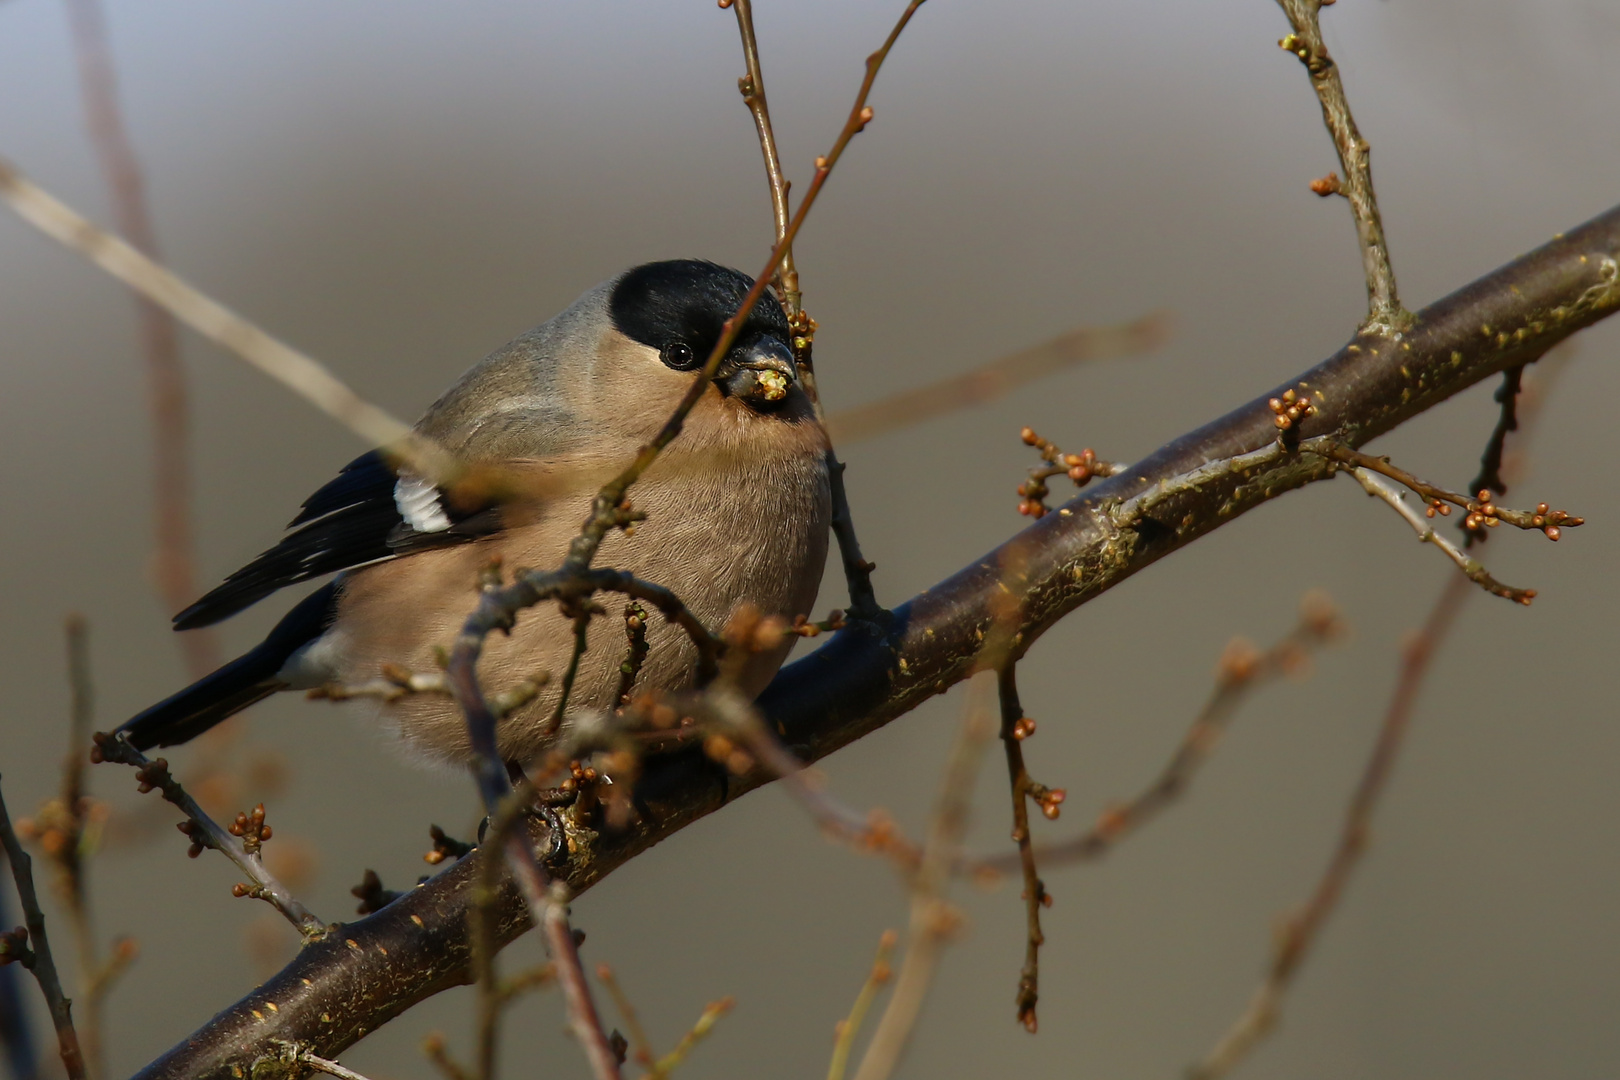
(337, 990)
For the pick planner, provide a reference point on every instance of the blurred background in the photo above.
(400, 187)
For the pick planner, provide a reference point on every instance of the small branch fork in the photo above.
(1394, 496)
(660, 1067)
(1385, 315)
(240, 843)
(1385, 481)
(1080, 468)
(30, 946)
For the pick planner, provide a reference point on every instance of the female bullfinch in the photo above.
(737, 512)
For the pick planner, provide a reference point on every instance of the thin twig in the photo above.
(582, 625)
(331, 1068)
(1013, 732)
(481, 921)
(16, 1035)
(547, 901)
(1385, 315)
(498, 607)
(39, 958)
(846, 1029)
(435, 1050)
(863, 602)
(1081, 469)
(608, 508)
(635, 651)
(699, 1031)
(205, 832)
(1507, 420)
(752, 88)
(533, 978)
(639, 1042)
(999, 377)
(70, 848)
(1482, 511)
(166, 393)
(1300, 930)
(933, 919)
(1394, 496)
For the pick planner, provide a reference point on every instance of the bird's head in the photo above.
(676, 311)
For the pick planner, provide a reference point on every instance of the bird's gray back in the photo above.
(516, 402)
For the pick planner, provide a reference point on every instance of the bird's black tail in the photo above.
(249, 678)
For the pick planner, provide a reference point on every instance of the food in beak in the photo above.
(773, 385)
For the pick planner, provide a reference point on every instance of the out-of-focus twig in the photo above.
(699, 1031)
(846, 1029)
(1299, 931)
(96, 977)
(1243, 669)
(1385, 314)
(731, 717)
(640, 1044)
(165, 376)
(31, 947)
(16, 1036)
(999, 377)
(293, 369)
(933, 919)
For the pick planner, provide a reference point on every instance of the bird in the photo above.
(737, 511)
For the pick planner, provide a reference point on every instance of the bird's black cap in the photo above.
(688, 301)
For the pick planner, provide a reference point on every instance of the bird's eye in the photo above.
(678, 355)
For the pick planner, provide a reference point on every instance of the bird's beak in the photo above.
(761, 375)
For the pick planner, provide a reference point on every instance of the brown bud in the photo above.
(1327, 185)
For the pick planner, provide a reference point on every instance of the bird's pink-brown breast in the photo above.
(737, 513)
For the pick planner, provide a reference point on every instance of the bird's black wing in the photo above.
(368, 513)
